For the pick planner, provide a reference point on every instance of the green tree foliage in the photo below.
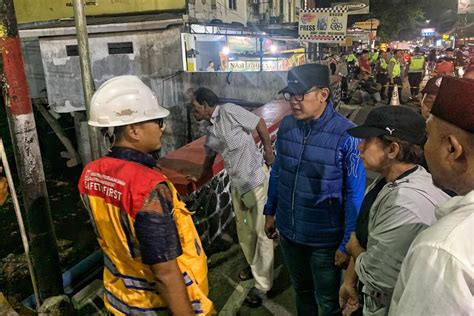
(399, 19)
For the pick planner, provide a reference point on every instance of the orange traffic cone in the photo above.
(395, 100)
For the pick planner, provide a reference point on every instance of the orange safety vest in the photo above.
(113, 191)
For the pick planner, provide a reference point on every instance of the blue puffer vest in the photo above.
(310, 206)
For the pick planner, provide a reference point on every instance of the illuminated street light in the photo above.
(226, 50)
(273, 49)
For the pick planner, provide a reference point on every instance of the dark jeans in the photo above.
(314, 277)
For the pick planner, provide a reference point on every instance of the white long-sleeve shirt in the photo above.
(437, 275)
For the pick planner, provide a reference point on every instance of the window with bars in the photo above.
(72, 50)
(120, 48)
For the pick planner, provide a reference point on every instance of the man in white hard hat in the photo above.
(153, 257)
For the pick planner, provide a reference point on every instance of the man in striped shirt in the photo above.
(230, 134)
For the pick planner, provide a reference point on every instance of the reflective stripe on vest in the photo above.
(416, 64)
(197, 306)
(396, 71)
(122, 307)
(129, 281)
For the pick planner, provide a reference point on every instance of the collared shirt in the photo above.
(230, 134)
(437, 275)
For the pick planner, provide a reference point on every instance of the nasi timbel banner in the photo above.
(323, 25)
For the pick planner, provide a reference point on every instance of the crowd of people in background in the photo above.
(390, 67)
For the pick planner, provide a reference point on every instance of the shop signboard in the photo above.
(254, 65)
(354, 7)
(323, 25)
(465, 6)
(428, 32)
(358, 35)
(348, 42)
(370, 24)
(242, 44)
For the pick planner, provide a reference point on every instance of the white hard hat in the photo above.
(124, 100)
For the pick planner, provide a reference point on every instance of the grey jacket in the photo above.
(402, 210)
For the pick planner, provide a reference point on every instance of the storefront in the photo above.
(209, 48)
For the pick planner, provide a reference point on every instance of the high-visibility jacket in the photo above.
(416, 63)
(351, 58)
(397, 70)
(374, 57)
(383, 64)
(113, 191)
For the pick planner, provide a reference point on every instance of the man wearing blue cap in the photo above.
(316, 187)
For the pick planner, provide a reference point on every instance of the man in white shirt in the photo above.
(437, 275)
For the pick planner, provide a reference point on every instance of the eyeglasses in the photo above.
(160, 122)
(297, 97)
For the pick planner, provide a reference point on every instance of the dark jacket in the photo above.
(317, 181)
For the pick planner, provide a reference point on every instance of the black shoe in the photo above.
(246, 274)
(254, 298)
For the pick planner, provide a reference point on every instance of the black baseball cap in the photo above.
(304, 77)
(396, 121)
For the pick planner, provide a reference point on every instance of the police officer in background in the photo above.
(394, 73)
(382, 72)
(415, 71)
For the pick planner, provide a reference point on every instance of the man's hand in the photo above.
(353, 244)
(348, 299)
(270, 228)
(268, 156)
(193, 177)
(341, 259)
(170, 284)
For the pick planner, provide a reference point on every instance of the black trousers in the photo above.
(415, 78)
(382, 78)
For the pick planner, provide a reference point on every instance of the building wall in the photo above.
(219, 9)
(156, 60)
(34, 67)
(44, 10)
(156, 56)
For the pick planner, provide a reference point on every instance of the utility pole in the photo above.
(44, 253)
(86, 70)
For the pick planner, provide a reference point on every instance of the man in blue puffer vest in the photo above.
(316, 188)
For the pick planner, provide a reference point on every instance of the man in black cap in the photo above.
(316, 187)
(397, 207)
(437, 275)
